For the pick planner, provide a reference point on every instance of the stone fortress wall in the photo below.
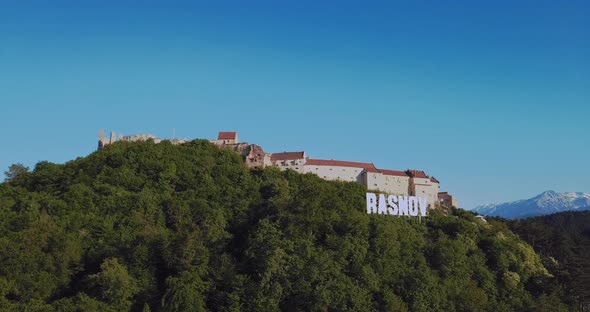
(406, 183)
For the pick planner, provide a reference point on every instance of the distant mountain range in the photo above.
(545, 203)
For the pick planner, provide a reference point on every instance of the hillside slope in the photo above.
(564, 237)
(157, 227)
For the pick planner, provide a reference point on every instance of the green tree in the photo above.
(17, 174)
(115, 284)
(184, 293)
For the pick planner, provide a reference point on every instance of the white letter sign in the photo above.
(396, 205)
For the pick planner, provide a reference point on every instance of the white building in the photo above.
(224, 138)
(395, 182)
(422, 185)
(338, 170)
(409, 182)
(288, 160)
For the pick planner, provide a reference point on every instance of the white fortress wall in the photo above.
(335, 173)
(289, 160)
(429, 192)
(374, 181)
(396, 182)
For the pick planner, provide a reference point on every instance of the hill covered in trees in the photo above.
(563, 241)
(158, 227)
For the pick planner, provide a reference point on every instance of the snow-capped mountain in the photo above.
(545, 203)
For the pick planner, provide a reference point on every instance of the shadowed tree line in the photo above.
(161, 227)
(563, 241)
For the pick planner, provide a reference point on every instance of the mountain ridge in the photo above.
(547, 202)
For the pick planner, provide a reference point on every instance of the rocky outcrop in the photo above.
(254, 155)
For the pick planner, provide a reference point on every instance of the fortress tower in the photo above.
(102, 141)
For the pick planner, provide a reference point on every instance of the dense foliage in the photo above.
(159, 227)
(563, 241)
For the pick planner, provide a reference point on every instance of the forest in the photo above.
(161, 227)
(563, 241)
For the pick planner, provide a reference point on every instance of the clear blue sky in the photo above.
(492, 99)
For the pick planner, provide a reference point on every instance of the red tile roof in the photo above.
(227, 135)
(287, 156)
(417, 174)
(393, 172)
(433, 179)
(370, 167)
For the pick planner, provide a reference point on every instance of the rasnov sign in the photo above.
(396, 205)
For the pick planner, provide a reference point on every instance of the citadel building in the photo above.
(406, 183)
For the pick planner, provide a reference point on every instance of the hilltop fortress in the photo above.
(409, 182)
